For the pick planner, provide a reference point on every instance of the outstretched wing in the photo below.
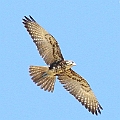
(47, 45)
(80, 89)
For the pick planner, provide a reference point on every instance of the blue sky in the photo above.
(88, 33)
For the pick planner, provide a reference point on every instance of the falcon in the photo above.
(57, 66)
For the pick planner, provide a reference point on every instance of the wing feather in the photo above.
(46, 44)
(80, 89)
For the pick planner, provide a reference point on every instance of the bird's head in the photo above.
(70, 63)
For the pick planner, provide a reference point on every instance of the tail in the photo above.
(41, 78)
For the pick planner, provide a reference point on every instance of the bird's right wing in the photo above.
(47, 45)
(80, 89)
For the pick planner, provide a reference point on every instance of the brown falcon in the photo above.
(45, 76)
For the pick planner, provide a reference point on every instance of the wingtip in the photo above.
(30, 18)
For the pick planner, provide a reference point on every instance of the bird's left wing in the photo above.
(47, 45)
(80, 89)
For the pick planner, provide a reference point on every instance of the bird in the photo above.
(58, 67)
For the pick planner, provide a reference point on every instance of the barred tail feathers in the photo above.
(41, 78)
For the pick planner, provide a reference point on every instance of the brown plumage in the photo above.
(45, 76)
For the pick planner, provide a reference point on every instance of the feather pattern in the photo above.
(46, 44)
(80, 89)
(41, 78)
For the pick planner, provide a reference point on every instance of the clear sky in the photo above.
(88, 32)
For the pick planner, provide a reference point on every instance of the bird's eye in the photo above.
(72, 62)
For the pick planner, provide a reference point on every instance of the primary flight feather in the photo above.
(45, 76)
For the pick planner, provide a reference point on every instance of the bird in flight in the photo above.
(45, 76)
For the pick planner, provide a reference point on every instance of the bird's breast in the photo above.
(58, 68)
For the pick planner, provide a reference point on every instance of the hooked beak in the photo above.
(74, 64)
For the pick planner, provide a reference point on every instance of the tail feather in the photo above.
(48, 85)
(40, 76)
(36, 72)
